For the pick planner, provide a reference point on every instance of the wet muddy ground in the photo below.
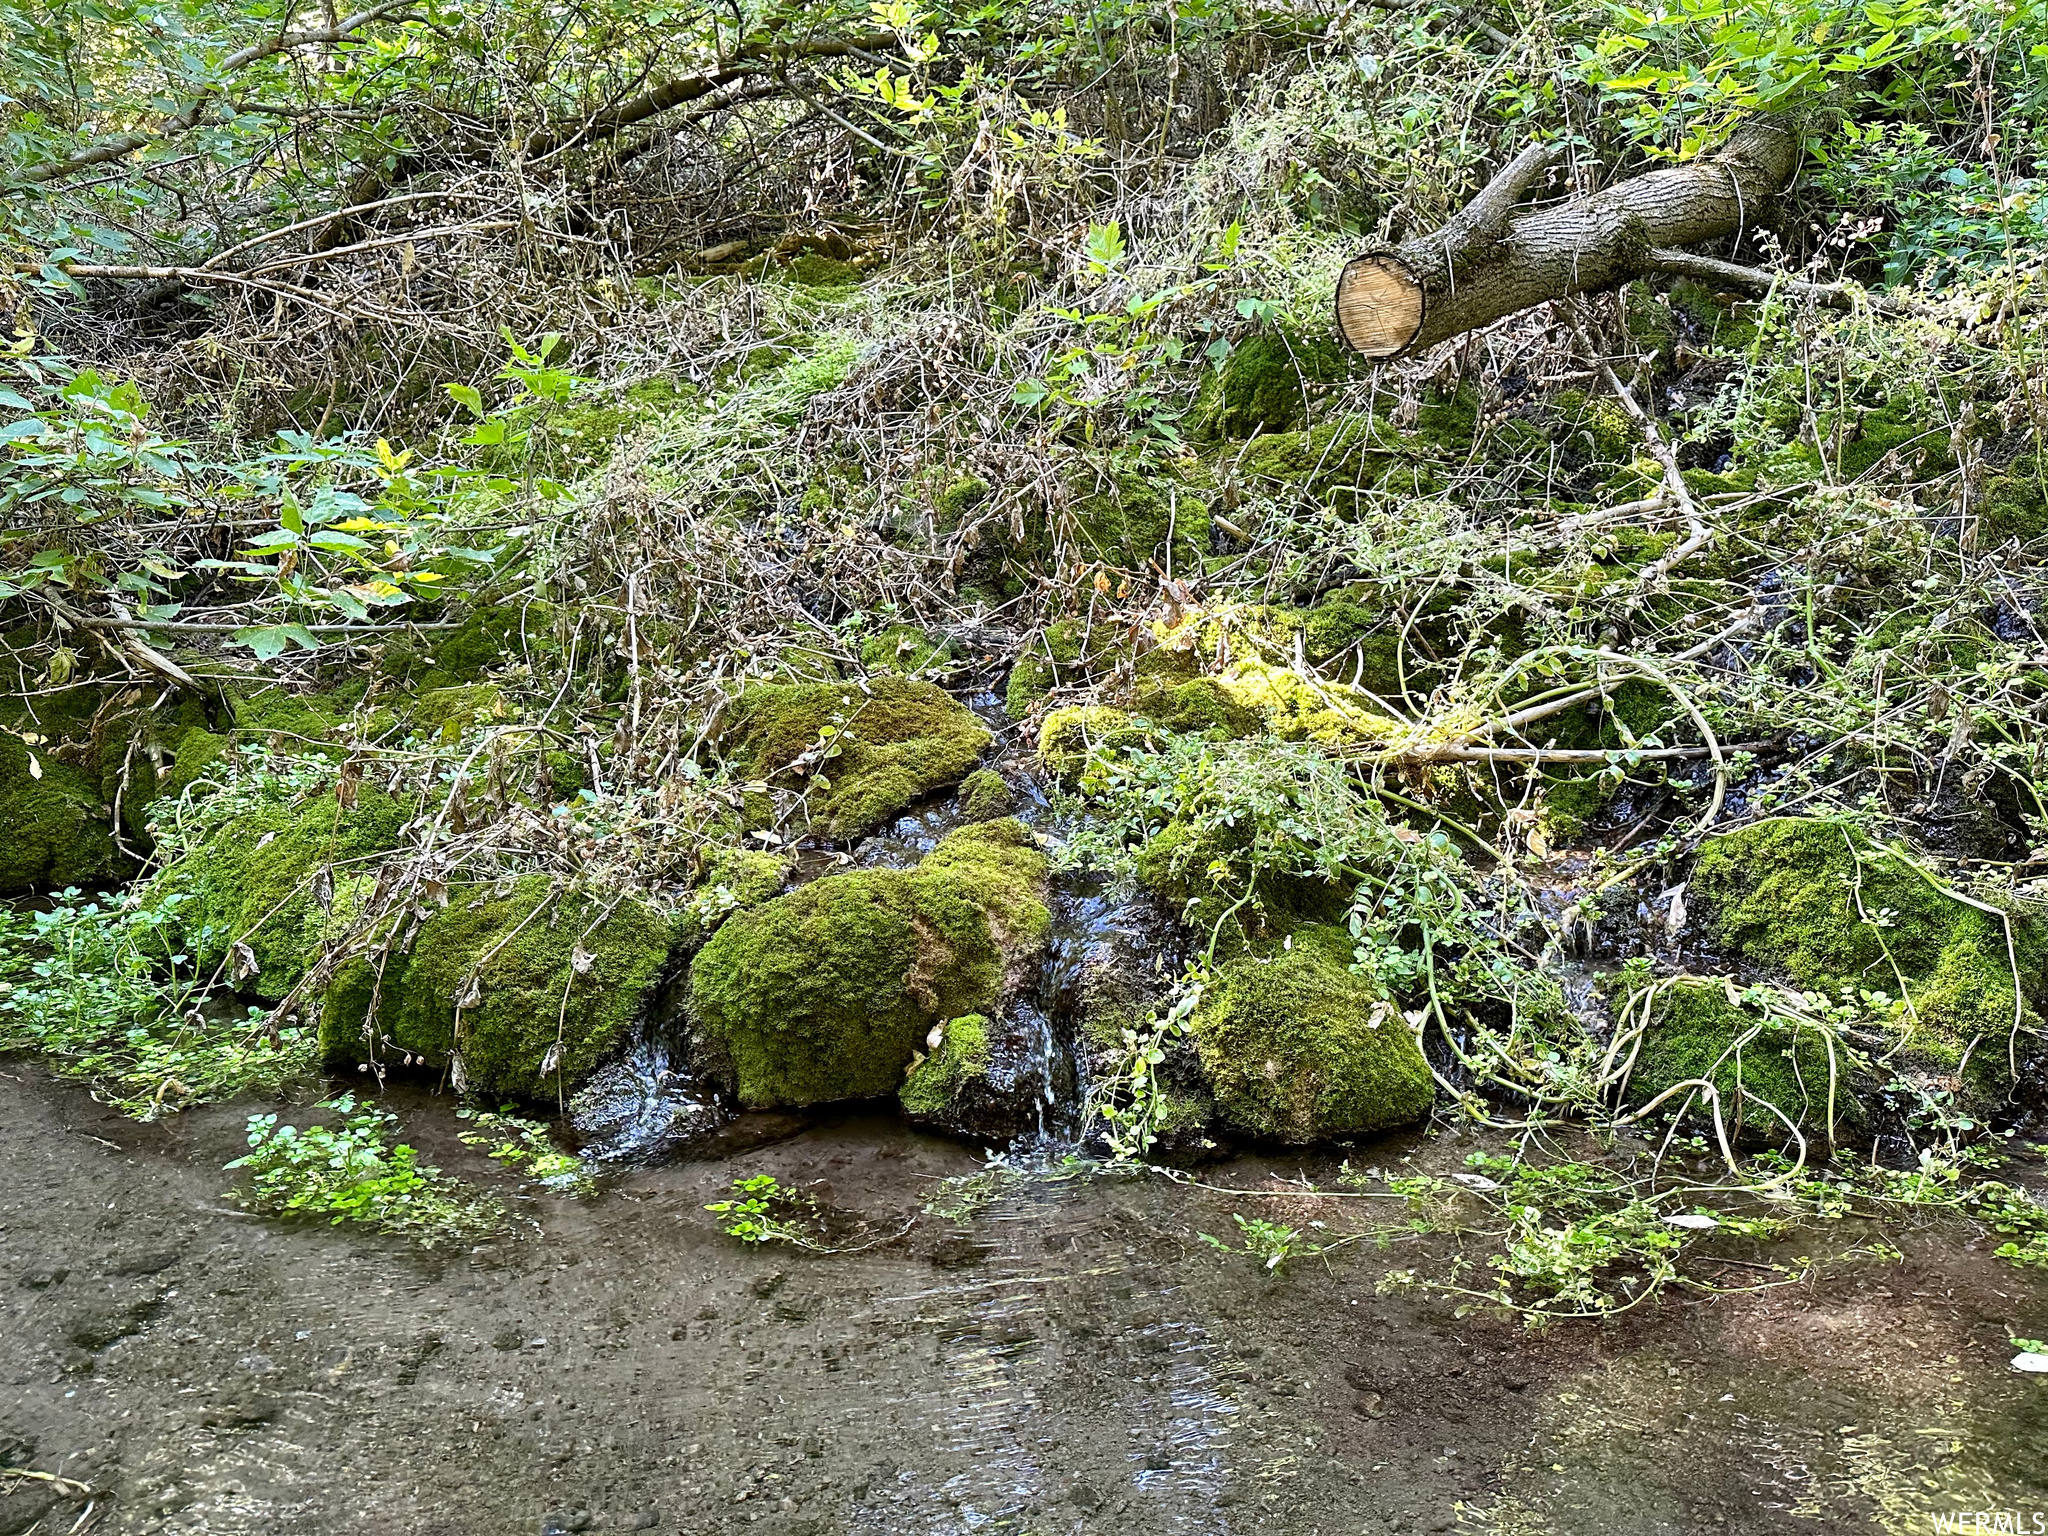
(1071, 1358)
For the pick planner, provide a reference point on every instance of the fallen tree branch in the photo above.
(1490, 261)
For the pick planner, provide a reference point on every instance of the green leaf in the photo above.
(463, 394)
(270, 641)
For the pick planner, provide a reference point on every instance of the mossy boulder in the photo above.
(1701, 1030)
(1202, 874)
(986, 796)
(254, 883)
(1268, 383)
(865, 753)
(938, 1087)
(828, 992)
(1068, 736)
(1133, 518)
(518, 990)
(906, 649)
(1299, 707)
(1298, 1048)
(733, 880)
(448, 712)
(58, 831)
(1815, 903)
(2015, 503)
(1053, 657)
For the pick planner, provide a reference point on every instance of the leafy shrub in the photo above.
(95, 986)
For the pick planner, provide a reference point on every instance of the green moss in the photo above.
(1298, 1048)
(959, 498)
(935, 1087)
(1268, 383)
(733, 880)
(490, 638)
(550, 985)
(198, 754)
(985, 796)
(906, 649)
(448, 712)
(2014, 504)
(1698, 1031)
(1594, 427)
(827, 992)
(253, 883)
(57, 824)
(1816, 903)
(1067, 736)
(1202, 876)
(1299, 708)
(897, 741)
(1571, 801)
(1053, 658)
(1202, 704)
(301, 718)
(1127, 517)
(814, 271)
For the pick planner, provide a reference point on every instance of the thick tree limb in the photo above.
(1489, 261)
(189, 117)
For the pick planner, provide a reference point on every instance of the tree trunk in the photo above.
(1491, 261)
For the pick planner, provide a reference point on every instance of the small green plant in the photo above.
(1267, 1241)
(356, 1172)
(525, 1147)
(762, 1211)
(96, 987)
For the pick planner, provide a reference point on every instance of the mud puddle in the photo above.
(1065, 1356)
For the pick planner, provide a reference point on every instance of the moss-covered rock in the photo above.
(827, 993)
(891, 743)
(1814, 902)
(529, 987)
(1067, 736)
(448, 712)
(58, 831)
(1699, 1030)
(733, 880)
(2015, 503)
(254, 883)
(1201, 705)
(1128, 518)
(906, 649)
(1298, 1048)
(938, 1087)
(1053, 658)
(1203, 874)
(986, 796)
(1297, 707)
(1268, 383)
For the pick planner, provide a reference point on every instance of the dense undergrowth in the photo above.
(444, 622)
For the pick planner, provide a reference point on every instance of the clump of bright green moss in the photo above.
(886, 744)
(1268, 383)
(57, 824)
(254, 883)
(529, 986)
(1299, 1048)
(1817, 903)
(906, 649)
(1067, 736)
(827, 993)
(985, 796)
(1053, 657)
(1698, 1032)
(936, 1086)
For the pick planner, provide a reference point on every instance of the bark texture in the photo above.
(1491, 261)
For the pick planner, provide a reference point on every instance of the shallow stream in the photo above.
(1064, 1356)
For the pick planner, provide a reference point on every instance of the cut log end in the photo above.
(1380, 305)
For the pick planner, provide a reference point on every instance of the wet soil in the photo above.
(1071, 1358)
